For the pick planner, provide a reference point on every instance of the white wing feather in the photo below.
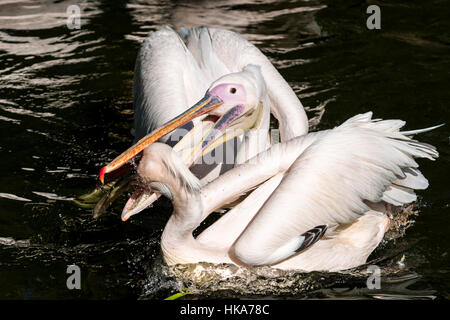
(167, 79)
(331, 180)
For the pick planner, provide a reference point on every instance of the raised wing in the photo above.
(167, 80)
(330, 182)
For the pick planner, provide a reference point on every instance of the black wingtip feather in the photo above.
(312, 236)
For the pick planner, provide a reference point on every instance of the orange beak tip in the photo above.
(102, 175)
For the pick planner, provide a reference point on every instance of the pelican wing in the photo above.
(167, 79)
(172, 73)
(348, 249)
(330, 182)
(200, 44)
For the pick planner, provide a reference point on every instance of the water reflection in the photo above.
(40, 14)
(248, 19)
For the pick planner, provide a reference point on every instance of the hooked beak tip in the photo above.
(101, 176)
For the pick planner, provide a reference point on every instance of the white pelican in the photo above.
(172, 74)
(341, 178)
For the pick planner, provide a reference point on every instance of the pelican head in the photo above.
(163, 171)
(235, 101)
(245, 88)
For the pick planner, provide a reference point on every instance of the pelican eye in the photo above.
(233, 90)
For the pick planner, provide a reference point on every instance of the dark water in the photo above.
(66, 110)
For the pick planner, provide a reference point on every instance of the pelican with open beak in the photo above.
(237, 104)
(173, 71)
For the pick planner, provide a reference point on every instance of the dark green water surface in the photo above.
(66, 110)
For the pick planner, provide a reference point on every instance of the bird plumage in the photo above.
(328, 178)
(171, 75)
(333, 179)
(172, 72)
(316, 201)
